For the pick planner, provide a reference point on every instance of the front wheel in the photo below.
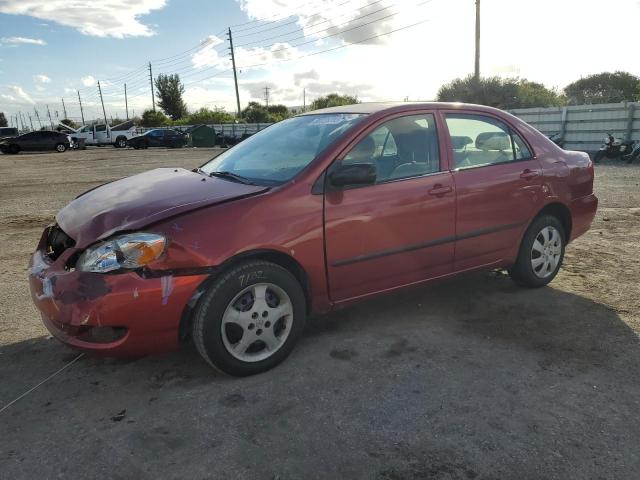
(250, 318)
(61, 147)
(541, 253)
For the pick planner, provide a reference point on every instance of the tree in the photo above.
(206, 115)
(3, 120)
(169, 91)
(258, 113)
(333, 100)
(154, 119)
(500, 93)
(604, 87)
(69, 123)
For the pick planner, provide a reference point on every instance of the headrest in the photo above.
(459, 141)
(366, 148)
(493, 141)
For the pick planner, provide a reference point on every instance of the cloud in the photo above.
(103, 18)
(341, 21)
(21, 40)
(212, 55)
(299, 78)
(20, 95)
(41, 79)
(88, 81)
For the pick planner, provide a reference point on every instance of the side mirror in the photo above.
(353, 174)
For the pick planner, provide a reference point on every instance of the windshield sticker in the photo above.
(333, 119)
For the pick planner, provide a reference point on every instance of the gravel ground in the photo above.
(472, 378)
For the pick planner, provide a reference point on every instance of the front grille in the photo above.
(57, 242)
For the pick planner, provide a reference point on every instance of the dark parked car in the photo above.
(312, 213)
(8, 132)
(159, 138)
(35, 141)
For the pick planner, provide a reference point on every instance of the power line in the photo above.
(332, 34)
(267, 20)
(340, 46)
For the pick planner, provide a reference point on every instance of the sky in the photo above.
(377, 50)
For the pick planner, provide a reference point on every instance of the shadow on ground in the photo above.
(471, 378)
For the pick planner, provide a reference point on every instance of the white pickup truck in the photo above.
(105, 135)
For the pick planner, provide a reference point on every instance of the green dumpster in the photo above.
(203, 136)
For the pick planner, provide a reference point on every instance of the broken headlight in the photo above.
(128, 251)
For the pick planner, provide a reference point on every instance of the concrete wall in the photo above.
(585, 126)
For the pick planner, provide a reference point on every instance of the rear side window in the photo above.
(404, 147)
(478, 140)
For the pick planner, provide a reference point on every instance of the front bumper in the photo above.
(120, 314)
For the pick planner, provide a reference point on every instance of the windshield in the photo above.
(278, 153)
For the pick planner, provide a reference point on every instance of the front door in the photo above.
(399, 230)
(498, 185)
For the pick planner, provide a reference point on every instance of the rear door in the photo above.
(101, 135)
(31, 141)
(498, 184)
(399, 230)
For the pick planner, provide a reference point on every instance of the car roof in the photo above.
(376, 107)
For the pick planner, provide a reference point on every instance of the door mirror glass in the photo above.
(353, 174)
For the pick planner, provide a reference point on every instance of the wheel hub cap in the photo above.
(257, 322)
(546, 251)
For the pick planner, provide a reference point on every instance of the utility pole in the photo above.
(49, 115)
(30, 121)
(64, 109)
(153, 98)
(37, 116)
(24, 122)
(126, 105)
(266, 96)
(22, 125)
(235, 75)
(81, 111)
(102, 101)
(477, 63)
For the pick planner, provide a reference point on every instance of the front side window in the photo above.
(101, 128)
(478, 140)
(278, 153)
(400, 148)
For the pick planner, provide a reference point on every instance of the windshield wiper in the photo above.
(233, 176)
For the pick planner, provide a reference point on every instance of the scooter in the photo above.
(613, 148)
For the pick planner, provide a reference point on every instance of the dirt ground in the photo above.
(472, 378)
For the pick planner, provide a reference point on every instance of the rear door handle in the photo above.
(440, 189)
(528, 174)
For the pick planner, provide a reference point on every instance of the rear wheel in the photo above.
(121, 142)
(14, 149)
(249, 320)
(61, 147)
(541, 253)
(598, 156)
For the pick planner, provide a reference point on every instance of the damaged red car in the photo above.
(313, 212)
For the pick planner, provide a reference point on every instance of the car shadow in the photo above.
(467, 378)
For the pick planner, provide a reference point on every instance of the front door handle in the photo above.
(439, 189)
(528, 174)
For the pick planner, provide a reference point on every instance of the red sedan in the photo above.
(316, 211)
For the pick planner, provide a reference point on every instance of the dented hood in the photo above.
(143, 199)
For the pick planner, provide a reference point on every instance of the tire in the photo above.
(230, 329)
(121, 142)
(61, 148)
(541, 253)
(14, 149)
